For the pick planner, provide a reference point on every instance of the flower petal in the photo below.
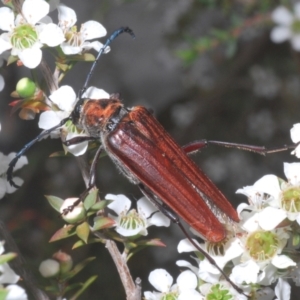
(7, 19)
(92, 30)
(282, 290)
(297, 10)
(34, 10)
(69, 49)
(295, 40)
(120, 204)
(280, 34)
(292, 172)
(64, 98)
(2, 84)
(186, 246)
(295, 133)
(187, 280)
(268, 184)
(270, 217)
(95, 93)
(2, 187)
(145, 207)
(245, 272)
(161, 280)
(51, 35)
(66, 16)
(8, 275)
(15, 292)
(10, 189)
(283, 262)
(22, 161)
(190, 295)
(282, 16)
(48, 119)
(31, 57)
(4, 45)
(76, 149)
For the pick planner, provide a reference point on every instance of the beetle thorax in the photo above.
(98, 115)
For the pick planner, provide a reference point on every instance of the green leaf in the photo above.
(11, 59)
(91, 199)
(7, 257)
(83, 231)
(66, 231)
(188, 56)
(81, 243)
(103, 222)
(77, 269)
(84, 287)
(55, 202)
(63, 67)
(140, 245)
(296, 239)
(101, 205)
(82, 57)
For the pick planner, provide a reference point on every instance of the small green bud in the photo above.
(25, 87)
(65, 261)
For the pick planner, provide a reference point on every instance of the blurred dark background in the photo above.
(241, 88)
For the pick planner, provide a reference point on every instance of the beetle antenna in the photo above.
(114, 35)
(12, 164)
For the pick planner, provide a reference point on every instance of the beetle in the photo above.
(150, 158)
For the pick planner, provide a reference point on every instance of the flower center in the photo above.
(290, 200)
(296, 26)
(217, 249)
(132, 220)
(219, 292)
(262, 245)
(73, 37)
(24, 36)
(170, 296)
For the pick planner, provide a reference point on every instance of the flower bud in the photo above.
(25, 87)
(72, 214)
(64, 260)
(49, 268)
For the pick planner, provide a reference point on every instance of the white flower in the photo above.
(49, 268)
(184, 289)
(295, 136)
(288, 26)
(283, 200)
(76, 42)
(2, 83)
(62, 103)
(5, 186)
(132, 222)
(15, 293)
(205, 270)
(28, 32)
(8, 275)
(282, 290)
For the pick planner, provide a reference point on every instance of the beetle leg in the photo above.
(174, 218)
(78, 140)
